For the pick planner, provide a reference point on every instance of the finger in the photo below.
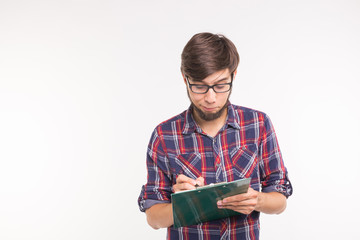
(182, 179)
(246, 209)
(245, 203)
(237, 208)
(243, 210)
(236, 198)
(251, 194)
(200, 181)
(183, 186)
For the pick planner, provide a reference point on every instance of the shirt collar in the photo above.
(191, 126)
(189, 123)
(232, 117)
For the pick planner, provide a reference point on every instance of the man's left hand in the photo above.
(243, 203)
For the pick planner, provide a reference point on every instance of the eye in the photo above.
(220, 86)
(200, 87)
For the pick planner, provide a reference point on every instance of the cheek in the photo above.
(196, 97)
(223, 98)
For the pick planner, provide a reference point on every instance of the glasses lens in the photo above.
(199, 88)
(222, 88)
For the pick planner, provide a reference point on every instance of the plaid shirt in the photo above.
(245, 147)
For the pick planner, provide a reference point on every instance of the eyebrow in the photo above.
(217, 81)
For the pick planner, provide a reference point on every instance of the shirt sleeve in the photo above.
(274, 175)
(158, 188)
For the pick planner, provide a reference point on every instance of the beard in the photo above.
(209, 116)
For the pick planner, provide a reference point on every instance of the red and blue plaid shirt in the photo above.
(245, 147)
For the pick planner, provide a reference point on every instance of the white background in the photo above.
(84, 83)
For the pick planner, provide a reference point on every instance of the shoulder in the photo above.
(246, 113)
(168, 126)
(253, 119)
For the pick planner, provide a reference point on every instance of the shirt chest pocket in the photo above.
(244, 160)
(187, 164)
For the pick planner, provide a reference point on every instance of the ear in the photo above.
(235, 72)
(184, 77)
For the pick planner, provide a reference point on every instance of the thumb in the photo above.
(200, 181)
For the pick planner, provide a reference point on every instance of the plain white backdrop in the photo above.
(84, 83)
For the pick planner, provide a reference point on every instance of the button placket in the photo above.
(218, 163)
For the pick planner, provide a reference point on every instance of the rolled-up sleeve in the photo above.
(274, 175)
(158, 187)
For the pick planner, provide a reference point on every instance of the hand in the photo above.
(185, 183)
(243, 203)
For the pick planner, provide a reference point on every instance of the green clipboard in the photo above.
(192, 207)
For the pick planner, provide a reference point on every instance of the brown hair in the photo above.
(206, 53)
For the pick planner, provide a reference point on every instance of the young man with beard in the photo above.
(214, 141)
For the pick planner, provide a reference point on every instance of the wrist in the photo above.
(260, 201)
(271, 203)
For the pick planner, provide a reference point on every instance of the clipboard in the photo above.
(192, 207)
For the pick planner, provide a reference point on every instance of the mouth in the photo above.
(207, 109)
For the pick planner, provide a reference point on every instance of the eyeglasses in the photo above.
(202, 89)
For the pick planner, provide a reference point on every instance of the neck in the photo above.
(211, 127)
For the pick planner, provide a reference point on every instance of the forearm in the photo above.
(160, 215)
(271, 203)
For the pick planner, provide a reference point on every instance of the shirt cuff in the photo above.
(148, 203)
(285, 189)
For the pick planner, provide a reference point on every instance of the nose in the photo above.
(210, 96)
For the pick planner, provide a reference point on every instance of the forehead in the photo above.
(218, 76)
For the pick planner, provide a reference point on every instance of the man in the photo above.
(214, 141)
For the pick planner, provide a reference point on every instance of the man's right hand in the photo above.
(161, 215)
(185, 183)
